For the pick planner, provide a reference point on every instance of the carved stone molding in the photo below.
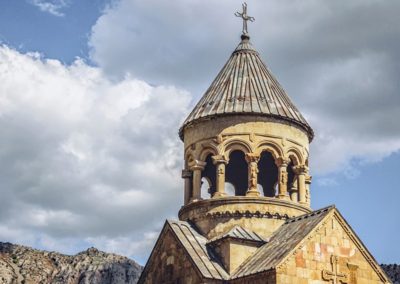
(243, 214)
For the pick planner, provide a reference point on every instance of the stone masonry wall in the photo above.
(308, 264)
(173, 266)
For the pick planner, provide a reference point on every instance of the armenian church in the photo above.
(247, 145)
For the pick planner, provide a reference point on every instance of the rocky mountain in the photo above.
(393, 271)
(24, 265)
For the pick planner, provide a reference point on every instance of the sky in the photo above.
(92, 94)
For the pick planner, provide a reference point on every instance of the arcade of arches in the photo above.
(247, 174)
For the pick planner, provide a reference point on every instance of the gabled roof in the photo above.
(195, 245)
(279, 247)
(282, 242)
(238, 232)
(246, 86)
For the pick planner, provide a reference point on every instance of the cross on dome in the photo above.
(245, 18)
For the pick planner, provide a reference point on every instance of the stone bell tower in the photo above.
(247, 136)
(246, 216)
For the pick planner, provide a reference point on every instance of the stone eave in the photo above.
(217, 240)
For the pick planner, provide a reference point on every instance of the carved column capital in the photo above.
(197, 165)
(282, 162)
(219, 159)
(187, 173)
(252, 157)
(300, 169)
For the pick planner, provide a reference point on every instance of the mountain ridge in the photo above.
(25, 265)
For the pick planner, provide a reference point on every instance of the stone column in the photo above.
(187, 176)
(196, 167)
(308, 183)
(294, 191)
(219, 161)
(252, 160)
(282, 164)
(301, 172)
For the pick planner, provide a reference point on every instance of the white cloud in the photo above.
(338, 64)
(53, 7)
(83, 157)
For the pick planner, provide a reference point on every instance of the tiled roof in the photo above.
(282, 242)
(267, 257)
(195, 245)
(246, 86)
(239, 232)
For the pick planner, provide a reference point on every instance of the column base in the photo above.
(219, 194)
(195, 200)
(284, 197)
(253, 193)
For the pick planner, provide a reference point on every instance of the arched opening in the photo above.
(208, 178)
(260, 189)
(229, 189)
(205, 188)
(237, 172)
(291, 186)
(267, 174)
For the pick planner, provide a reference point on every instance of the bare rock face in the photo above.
(24, 265)
(393, 271)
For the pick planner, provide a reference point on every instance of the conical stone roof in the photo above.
(246, 86)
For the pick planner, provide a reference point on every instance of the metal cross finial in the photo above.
(245, 18)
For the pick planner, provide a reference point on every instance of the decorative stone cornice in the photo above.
(207, 207)
(244, 214)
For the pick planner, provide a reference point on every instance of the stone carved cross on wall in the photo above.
(335, 276)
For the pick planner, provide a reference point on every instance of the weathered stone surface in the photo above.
(261, 215)
(331, 251)
(393, 271)
(316, 247)
(20, 264)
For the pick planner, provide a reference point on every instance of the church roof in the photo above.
(238, 232)
(273, 253)
(195, 245)
(246, 86)
(282, 242)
